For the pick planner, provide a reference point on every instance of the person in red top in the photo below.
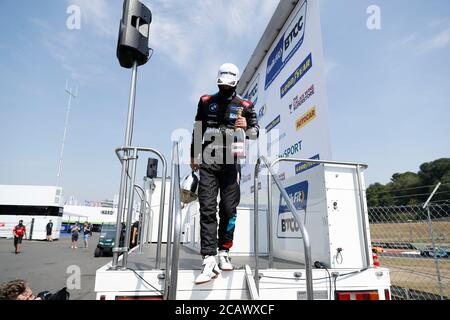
(19, 232)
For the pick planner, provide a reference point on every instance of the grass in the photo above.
(418, 274)
(414, 232)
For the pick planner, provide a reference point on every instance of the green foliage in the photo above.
(411, 188)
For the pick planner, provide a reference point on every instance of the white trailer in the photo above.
(306, 217)
(340, 241)
(35, 205)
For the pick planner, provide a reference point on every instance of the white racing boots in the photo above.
(210, 268)
(225, 261)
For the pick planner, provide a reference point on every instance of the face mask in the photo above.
(226, 92)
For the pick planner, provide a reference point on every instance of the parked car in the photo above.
(430, 252)
(107, 240)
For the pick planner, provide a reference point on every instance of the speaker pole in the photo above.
(132, 51)
(124, 179)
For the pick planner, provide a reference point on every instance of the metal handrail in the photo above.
(144, 204)
(306, 243)
(177, 229)
(172, 253)
(162, 198)
(360, 195)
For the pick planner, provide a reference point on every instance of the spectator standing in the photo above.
(49, 229)
(75, 233)
(87, 232)
(19, 232)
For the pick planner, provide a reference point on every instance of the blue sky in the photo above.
(388, 89)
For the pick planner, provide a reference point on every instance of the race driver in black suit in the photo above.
(216, 119)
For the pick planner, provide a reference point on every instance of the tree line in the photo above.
(410, 188)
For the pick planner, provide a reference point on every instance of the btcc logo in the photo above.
(287, 46)
(287, 224)
(296, 29)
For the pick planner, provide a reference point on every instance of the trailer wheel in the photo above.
(98, 252)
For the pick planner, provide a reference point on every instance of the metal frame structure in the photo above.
(305, 236)
(142, 214)
(124, 159)
(433, 241)
(173, 253)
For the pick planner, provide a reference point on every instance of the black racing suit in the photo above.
(218, 169)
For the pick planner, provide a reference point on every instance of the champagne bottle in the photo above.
(238, 145)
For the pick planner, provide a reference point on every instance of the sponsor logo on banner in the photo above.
(298, 100)
(252, 93)
(287, 46)
(287, 225)
(296, 76)
(246, 178)
(262, 112)
(273, 124)
(303, 166)
(292, 150)
(309, 116)
(252, 188)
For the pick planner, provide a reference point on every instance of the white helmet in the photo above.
(228, 75)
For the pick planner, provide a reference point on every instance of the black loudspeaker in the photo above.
(134, 33)
(152, 168)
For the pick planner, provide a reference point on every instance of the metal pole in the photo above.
(71, 95)
(255, 233)
(125, 166)
(410, 230)
(130, 208)
(141, 215)
(120, 210)
(131, 104)
(306, 241)
(170, 227)
(269, 221)
(363, 217)
(161, 215)
(177, 230)
(149, 186)
(430, 226)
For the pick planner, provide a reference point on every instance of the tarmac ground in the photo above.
(51, 266)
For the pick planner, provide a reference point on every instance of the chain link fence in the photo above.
(414, 243)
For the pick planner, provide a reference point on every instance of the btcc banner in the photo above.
(288, 90)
